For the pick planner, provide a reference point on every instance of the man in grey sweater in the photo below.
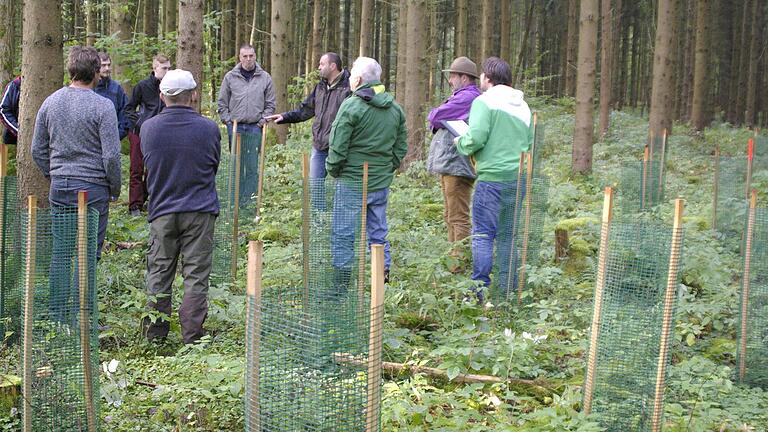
(76, 142)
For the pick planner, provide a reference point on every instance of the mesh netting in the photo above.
(538, 149)
(729, 201)
(308, 347)
(10, 262)
(247, 182)
(753, 321)
(524, 212)
(628, 341)
(641, 186)
(60, 322)
(221, 270)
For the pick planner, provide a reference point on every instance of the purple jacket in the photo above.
(455, 108)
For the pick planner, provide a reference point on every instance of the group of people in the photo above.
(175, 154)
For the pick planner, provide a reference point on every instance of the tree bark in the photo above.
(744, 54)
(606, 66)
(367, 29)
(7, 40)
(317, 31)
(281, 25)
(505, 49)
(240, 26)
(42, 67)
(699, 118)
(227, 48)
(91, 28)
(585, 88)
(573, 40)
(486, 30)
(150, 17)
(189, 53)
(519, 69)
(402, 50)
(750, 115)
(663, 68)
(120, 25)
(460, 42)
(415, 67)
(386, 41)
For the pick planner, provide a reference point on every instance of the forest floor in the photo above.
(201, 387)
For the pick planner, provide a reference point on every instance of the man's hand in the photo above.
(277, 118)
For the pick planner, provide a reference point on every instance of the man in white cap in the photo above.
(181, 151)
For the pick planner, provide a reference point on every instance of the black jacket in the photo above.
(9, 110)
(145, 97)
(323, 104)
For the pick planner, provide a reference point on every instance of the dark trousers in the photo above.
(137, 186)
(189, 235)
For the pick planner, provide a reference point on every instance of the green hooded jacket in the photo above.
(369, 127)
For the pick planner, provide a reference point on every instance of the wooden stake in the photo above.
(262, 157)
(29, 300)
(526, 229)
(535, 122)
(602, 262)
(745, 285)
(85, 335)
(363, 238)
(662, 160)
(305, 225)
(666, 324)
(750, 155)
(644, 180)
(3, 160)
(716, 188)
(253, 324)
(515, 209)
(236, 211)
(375, 338)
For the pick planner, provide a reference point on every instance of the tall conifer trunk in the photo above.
(585, 87)
(189, 53)
(699, 118)
(663, 69)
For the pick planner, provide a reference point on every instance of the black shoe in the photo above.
(386, 276)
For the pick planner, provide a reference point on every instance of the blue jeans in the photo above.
(64, 290)
(346, 213)
(250, 145)
(317, 163)
(493, 207)
(317, 175)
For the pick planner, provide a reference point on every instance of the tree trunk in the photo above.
(386, 41)
(461, 28)
(585, 88)
(486, 30)
(240, 26)
(317, 31)
(750, 115)
(402, 50)
(281, 25)
(227, 48)
(7, 40)
(189, 52)
(42, 68)
(367, 28)
(741, 92)
(505, 50)
(120, 26)
(356, 28)
(519, 69)
(150, 17)
(723, 22)
(699, 118)
(332, 29)
(663, 68)
(415, 67)
(606, 66)
(90, 23)
(573, 40)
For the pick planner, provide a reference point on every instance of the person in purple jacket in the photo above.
(456, 172)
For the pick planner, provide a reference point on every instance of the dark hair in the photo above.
(158, 59)
(497, 71)
(83, 63)
(335, 59)
(104, 56)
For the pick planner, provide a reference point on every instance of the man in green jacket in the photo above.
(499, 131)
(369, 127)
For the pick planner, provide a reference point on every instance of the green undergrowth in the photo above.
(537, 348)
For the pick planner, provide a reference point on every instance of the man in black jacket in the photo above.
(322, 104)
(145, 98)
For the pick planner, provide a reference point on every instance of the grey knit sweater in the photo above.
(76, 136)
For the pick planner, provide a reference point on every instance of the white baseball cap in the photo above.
(176, 81)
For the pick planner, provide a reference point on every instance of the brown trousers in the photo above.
(457, 194)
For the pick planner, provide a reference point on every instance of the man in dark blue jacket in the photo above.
(9, 110)
(112, 90)
(181, 151)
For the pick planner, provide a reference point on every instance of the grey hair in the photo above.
(366, 68)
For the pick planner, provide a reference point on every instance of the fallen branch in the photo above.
(398, 368)
(146, 383)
